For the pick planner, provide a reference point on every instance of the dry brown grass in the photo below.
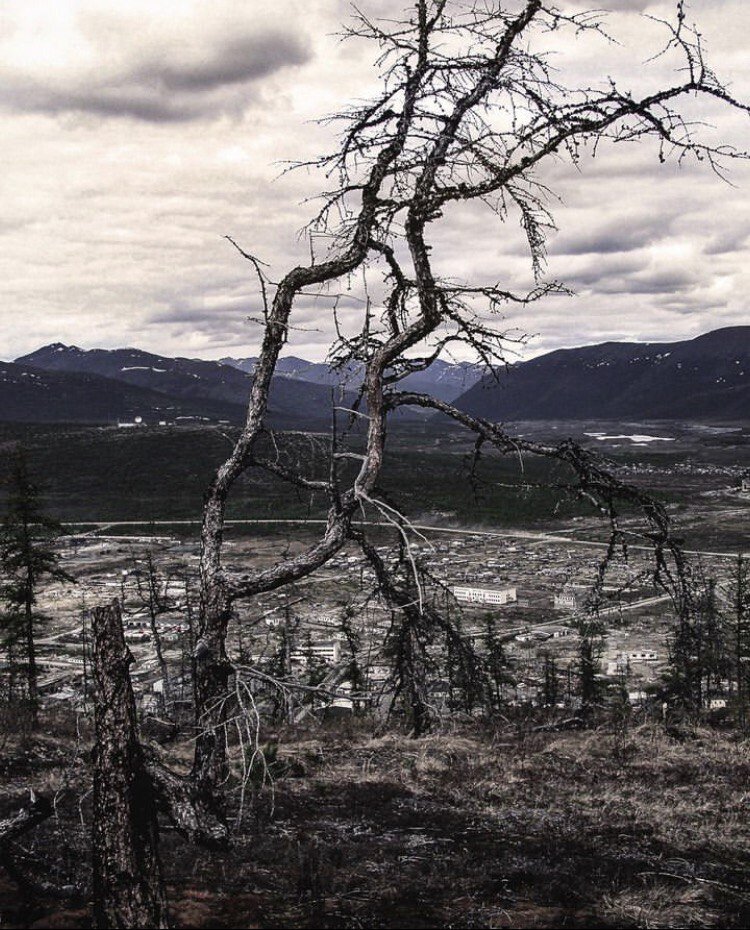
(471, 829)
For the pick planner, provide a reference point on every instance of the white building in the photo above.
(329, 651)
(618, 666)
(565, 600)
(470, 594)
(533, 636)
(642, 656)
(377, 674)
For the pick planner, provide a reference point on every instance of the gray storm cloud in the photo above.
(165, 84)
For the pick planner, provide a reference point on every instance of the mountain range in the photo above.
(444, 380)
(706, 378)
(65, 383)
(61, 383)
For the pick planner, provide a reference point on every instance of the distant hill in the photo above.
(707, 378)
(442, 379)
(194, 386)
(177, 377)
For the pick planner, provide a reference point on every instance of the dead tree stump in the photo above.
(128, 882)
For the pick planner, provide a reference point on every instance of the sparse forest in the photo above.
(418, 779)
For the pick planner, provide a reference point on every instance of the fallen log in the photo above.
(26, 873)
(571, 723)
(180, 802)
(38, 809)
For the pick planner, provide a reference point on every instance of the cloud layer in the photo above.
(113, 60)
(137, 135)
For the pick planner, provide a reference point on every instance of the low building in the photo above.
(328, 650)
(533, 636)
(471, 594)
(643, 655)
(131, 424)
(638, 696)
(560, 632)
(377, 674)
(618, 666)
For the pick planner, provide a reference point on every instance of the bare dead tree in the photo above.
(127, 876)
(469, 111)
(153, 589)
(419, 629)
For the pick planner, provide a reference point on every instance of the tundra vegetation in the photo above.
(469, 113)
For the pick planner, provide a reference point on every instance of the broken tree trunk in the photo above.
(128, 883)
(211, 681)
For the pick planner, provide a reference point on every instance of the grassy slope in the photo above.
(464, 830)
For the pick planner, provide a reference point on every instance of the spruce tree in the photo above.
(589, 686)
(550, 682)
(700, 660)
(497, 668)
(741, 639)
(27, 556)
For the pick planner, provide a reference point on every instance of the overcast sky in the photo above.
(135, 134)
